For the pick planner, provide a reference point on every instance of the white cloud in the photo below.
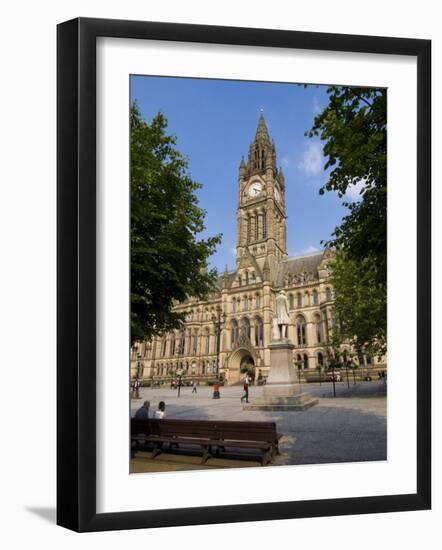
(233, 250)
(285, 161)
(317, 108)
(312, 161)
(353, 192)
(306, 251)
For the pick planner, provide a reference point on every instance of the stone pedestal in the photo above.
(282, 391)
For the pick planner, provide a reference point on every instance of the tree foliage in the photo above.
(168, 261)
(360, 304)
(353, 127)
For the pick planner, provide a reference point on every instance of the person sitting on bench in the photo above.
(160, 413)
(143, 412)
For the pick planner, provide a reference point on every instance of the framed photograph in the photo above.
(243, 274)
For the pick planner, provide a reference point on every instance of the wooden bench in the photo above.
(211, 436)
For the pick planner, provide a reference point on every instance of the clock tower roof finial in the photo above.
(262, 133)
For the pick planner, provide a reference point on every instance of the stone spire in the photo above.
(266, 270)
(262, 155)
(242, 168)
(262, 134)
(225, 279)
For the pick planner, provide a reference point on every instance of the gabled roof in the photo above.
(297, 266)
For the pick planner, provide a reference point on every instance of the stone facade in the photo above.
(247, 295)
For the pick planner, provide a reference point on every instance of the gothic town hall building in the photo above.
(246, 296)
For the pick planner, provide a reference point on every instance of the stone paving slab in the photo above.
(349, 428)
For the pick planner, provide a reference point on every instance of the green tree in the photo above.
(353, 127)
(168, 261)
(360, 305)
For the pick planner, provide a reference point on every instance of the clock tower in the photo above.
(261, 219)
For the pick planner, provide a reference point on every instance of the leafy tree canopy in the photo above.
(168, 261)
(353, 127)
(360, 305)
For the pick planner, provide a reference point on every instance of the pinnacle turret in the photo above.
(262, 134)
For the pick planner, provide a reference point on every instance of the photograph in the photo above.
(258, 274)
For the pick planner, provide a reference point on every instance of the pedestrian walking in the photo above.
(246, 385)
(137, 386)
(216, 394)
(194, 387)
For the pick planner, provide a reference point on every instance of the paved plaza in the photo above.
(351, 427)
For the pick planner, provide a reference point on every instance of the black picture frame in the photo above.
(76, 274)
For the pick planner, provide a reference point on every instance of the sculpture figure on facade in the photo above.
(282, 315)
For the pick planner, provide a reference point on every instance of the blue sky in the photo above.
(215, 121)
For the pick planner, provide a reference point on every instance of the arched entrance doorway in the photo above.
(239, 359)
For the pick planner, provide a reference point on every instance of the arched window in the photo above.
(291, 301)
(369, 360)
(305, 361)
(247, 278)
(207, 342)
(246, 303)
(299, 361)
(259, 333)
(301, 331)
(189, 342)
(318, 328)
(172, 344)
(328, 295)
(257, 301)
(315, 297)
(195, 344)
(254, 278)
(234, 305)
(181, 344)
(246, 327)
(240, 281)
(207, 314)
(299, 299)
(163, 346)
(233, 332)
(320, 359)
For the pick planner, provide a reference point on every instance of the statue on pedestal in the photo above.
(281, 320)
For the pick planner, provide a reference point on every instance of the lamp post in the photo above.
(299, 365)
(319, 369)
(347, 366)
(332, 360)
(179, 373)
(139, 374)
(218, 322)
(353, 367)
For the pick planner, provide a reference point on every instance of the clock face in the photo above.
(255, 189)
(277, 195)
